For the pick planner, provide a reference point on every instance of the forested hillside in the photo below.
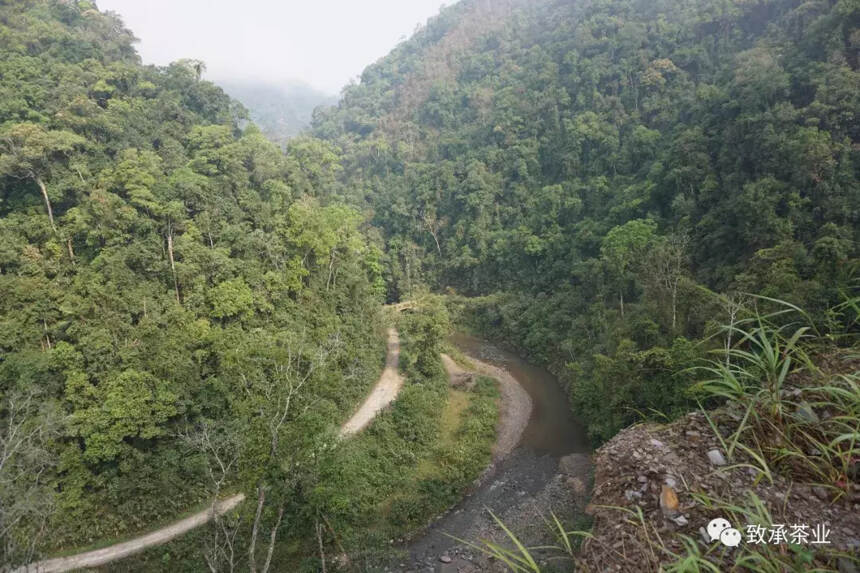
(620, 174)
(179, 316)
(188, 311)
(281, 111)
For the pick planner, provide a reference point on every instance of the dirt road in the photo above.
(383, 393)
(126, 548)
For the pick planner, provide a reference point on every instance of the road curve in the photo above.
(126, 548)
(383, 393)
(515, 408)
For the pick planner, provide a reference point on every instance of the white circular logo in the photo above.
(730, 537)
(716, 527)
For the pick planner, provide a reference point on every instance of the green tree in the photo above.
(623, 245)
(27, 151)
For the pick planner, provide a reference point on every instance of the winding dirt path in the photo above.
(383, 393)
(127, 548)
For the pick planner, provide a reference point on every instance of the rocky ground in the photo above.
(656, 487)
(631, 472)
(633, 469)
(523, 490)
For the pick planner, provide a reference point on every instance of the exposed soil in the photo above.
(632, 468)
(383, 394)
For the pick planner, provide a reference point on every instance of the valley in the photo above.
(550, 287)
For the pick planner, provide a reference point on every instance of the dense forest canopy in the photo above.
(620, 169)
(165, 277)
(188, 310)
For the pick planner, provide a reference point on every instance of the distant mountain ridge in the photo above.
(281, 110)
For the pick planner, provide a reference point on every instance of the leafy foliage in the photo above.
(186, 309)
(616, 170)
(161, 268)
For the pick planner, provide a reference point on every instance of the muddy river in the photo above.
(552, 432)
(552, 428)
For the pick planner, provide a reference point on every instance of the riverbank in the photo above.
(515, 405)
(541, 466)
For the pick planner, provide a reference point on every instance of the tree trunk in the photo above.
(431, 228)
(320, 543)
(252, 559)
(330, 269)
(272, 537)
(173, 264)
(438, 248)
(343, 552)
(621, 298)
(41, 185)
(47, 335)
(674, 306)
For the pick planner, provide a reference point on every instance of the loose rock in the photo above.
(669, 501)
(577, 485)
(716, 457)
(844, 565)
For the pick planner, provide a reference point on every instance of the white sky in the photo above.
(324, 43)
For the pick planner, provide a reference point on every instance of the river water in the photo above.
(552, 432)
(552, 428)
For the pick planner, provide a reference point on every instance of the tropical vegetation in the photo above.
(616, 188)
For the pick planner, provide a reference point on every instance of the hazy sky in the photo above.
(321, 42)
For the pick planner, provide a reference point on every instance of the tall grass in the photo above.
(521, 559)
(798, 401)
(795, 416)
(761, 558)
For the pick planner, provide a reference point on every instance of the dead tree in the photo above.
(220, 444)
(734, 304)
(28, 425)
